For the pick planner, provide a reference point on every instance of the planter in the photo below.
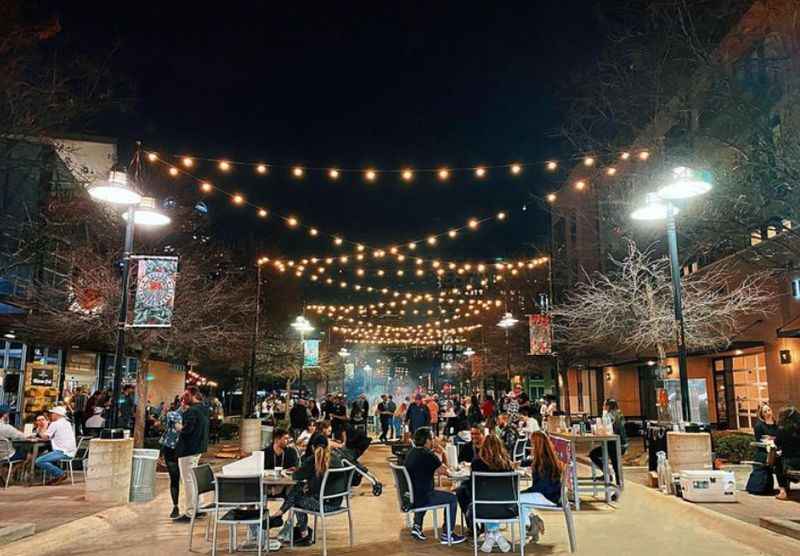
(741, 471)
(108, 470)
(250, 435)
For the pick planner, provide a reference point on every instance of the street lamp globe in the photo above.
(115, 190)
(507, 321)
(146, 214)
(469, 352)
(343, 352)
(653, 209)
(685, 183)
(301, 324)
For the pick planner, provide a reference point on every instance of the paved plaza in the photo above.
(643, 522)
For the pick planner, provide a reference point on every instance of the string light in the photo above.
(206, 187)
(473, 224)
(452, 233)
(516, 169)
(551, 197)
(610, 171)
(173, 171)
(261, 168)
(480, 172)
(412, 246)
(625, 155)
(551, 165)
(588, 161)
(238, 199)
(333, 173)
(152, 157)
(443, 173)
(501, 215)
(370, 175)
(432, 240)
(580, 185)
(292, 221)
(262, 213)
(644, 155)
(360, 247)
(313, 232)
(407, 174)
(188, 162)
(298, 171)
(337, 240)
(224, 165)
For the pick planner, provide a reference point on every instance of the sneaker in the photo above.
(285, 534)
(182, 519)
(416, 532)
(175, 513)
(502, 542)
(454, 539)
(488, 542)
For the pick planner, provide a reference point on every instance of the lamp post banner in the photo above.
(541, 333)
(155, 292)
(310, 353)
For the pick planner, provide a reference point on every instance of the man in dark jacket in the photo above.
(192, 442)
(298, 417)
(417, 415)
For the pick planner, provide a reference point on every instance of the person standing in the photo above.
(359, 413)
(612, 412)
(62, 440)
(298, 417)
(417, 415)
(399, 418)
(169, 441)
(385, 416)
(433, 412)
(339, 416)
(787, 441)
(192, 442)
(391, 409)
(127, 407)
(79, 416)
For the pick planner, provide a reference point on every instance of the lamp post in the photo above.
(684, 183)
(139, 210)
(344, 354)
(506, 323)
(302, 325)
(256, 327)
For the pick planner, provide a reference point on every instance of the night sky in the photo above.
(352, 85)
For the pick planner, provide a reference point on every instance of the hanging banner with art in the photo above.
(310, 353)
(155, 292)
(541, 331)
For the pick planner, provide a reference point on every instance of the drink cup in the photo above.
(278, 471)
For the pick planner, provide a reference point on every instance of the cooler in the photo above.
(708, 486)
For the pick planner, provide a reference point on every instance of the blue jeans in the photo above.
(398, 427)
(434, 499)
(47, 463)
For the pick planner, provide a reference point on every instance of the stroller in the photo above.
(349, 458)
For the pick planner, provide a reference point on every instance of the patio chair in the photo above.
(405, 501)
(337, 483)
(204, 483)
(6, 449)
(242, 500)
(81, 456)
(543, 504)
(495, 499)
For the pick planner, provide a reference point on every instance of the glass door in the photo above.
(750, 387)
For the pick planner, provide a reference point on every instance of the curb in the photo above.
(83, 530)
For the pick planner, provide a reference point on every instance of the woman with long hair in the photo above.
(788, 442)
(546, 471)
(305, 494)
(172, 421)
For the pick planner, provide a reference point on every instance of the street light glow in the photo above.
(507, 321)
(115, 190)
(653, 209)
(146, 214)
(685, 183)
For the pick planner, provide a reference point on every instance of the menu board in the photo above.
(41, 376)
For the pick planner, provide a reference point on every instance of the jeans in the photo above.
(434, 499)
(398, 427)
(47, 461)
(385, 421)
(185, 465)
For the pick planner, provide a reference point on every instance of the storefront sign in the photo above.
(310, 353)
(155, 292)
(541, 334)
(41, 376)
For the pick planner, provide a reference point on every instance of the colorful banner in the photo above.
(310, 353)
(541, 334)
(155, 292)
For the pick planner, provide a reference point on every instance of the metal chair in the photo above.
(204, 483)
(243, 498)
(546, 505)
(405, 501)
(520, 450)
(495, 499)
(6, 449)
(81, 455)
(333, 487)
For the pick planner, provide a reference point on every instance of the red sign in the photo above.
(541, 332)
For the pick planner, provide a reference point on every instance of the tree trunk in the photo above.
(141, 407)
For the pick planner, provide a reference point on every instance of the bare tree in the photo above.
(631, 309)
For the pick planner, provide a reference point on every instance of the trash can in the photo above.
(266, 435)
(143, 475)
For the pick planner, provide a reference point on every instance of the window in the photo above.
(796, 288)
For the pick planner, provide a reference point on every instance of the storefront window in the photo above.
(698, 399)
(750, 387)
(14, 354)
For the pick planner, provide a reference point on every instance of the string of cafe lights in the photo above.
(462, 310)
(413, 342)
(294, 222)
(359, 310)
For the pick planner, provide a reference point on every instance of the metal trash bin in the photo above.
(143, 475)
(266, 435)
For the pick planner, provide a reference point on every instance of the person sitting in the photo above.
(492, 457)
(305, 494)
(7, 432)
(545, 487)
(305, 436)
(324, 428)
(422, 462)
(612, 411)
(62, 440)
(279, 455)
(469, 451)
(787, 440)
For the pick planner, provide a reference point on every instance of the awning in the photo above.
(8, 310)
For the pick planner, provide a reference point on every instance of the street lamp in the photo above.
(684, 183)
(302, 325)
(140, 210)
(469, 352)
(506, 323)
(344, 353)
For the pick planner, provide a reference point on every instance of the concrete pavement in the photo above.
(643, 522)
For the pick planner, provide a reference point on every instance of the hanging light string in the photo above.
(407, 342)
(294, 222)
(394, 309)
(406, 173)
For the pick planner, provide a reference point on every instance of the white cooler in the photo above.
(708, 486)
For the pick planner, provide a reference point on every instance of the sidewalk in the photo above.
(644, 522)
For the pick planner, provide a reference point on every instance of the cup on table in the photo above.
(126, 434)
(277, 472)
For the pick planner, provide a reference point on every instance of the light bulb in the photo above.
(588, 161)
(480, 172)
(443, 173)
(407, 174)
(238, 199)
(292, 221)
(551, 197)
(610, 171)
(313, 232)
(152, 157)
(551, 165)
(412, 246)
(432, 240)
(333, 173)
(337, 241)
(580, 185)
(370, 175)
(473, 224)
(298, 171)
(224, 165)
(644, 155)
(501, 215)
(173, 171)
(261, 168)
(262, 213)
(625, 155)
(452, 233)
(188, 162)
(516, 169)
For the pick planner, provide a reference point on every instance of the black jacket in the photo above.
(298, 417)
(193, 438)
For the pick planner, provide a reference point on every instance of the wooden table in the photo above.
(270, 480)
(33, 445)
(588, 484)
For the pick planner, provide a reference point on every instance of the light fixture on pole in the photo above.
(302, 325)
(344, 353)
(469, 352)
(146, 214)
(684, 183)
(506, 323)
(116, 191)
